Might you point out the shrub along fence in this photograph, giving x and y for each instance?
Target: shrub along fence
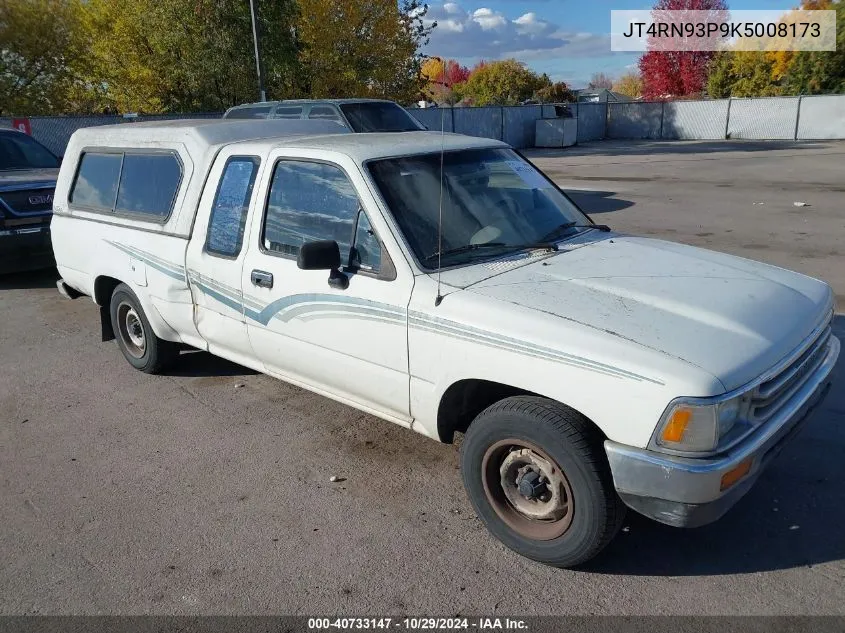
(796, 118)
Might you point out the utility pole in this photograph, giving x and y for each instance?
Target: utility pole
(261, 91)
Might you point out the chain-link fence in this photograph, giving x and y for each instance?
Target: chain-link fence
(798, 118)
(763, 118)
(821, 117)
(771, 118)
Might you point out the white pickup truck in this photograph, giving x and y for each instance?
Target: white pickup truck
(443, 283)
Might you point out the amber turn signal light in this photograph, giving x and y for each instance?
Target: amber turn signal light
(677, 425)
(736, 473)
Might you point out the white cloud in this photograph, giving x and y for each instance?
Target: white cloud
(489, 20)
(486, 33)
(530, 24)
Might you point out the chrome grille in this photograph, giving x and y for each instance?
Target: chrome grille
(772, 394)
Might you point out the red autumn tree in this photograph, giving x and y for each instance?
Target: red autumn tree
(455, 73)
(442, 76)
(668, 74)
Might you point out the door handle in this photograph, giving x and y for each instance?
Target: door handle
(262, 278)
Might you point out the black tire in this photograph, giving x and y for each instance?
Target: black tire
(126, 313)
(593, 513)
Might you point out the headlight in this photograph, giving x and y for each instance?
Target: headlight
(696, 427)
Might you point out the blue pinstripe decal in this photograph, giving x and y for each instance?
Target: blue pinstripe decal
(171, 270)
(320, 301)
(215, 294)
(316, 305)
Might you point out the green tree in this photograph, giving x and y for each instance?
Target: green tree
(556, 93)
(182, 55)
(721, 77)
(37, 44)
(742, 74)
(765, 73)
(814, 72)
(630, 84)
(506, 82)
(361, 48)
(752, 72)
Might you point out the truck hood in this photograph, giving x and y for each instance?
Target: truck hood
(729, 316)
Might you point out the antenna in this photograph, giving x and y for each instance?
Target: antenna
(439, 297)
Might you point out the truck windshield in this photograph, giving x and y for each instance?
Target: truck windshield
(18, 151)
(494, 202)
(379, 117)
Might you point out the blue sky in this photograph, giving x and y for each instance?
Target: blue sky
(568, 40)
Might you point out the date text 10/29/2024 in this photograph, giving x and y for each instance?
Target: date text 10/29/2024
(417, 624)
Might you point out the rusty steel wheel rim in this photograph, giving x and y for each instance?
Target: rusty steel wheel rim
(131, 330)
(527, 489)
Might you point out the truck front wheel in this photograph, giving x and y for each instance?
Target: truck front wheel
(135, 338)
(536, 473)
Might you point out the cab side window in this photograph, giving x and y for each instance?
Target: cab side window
(311, 201)
(231, 205)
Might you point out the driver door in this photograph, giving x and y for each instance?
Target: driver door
(351, 344)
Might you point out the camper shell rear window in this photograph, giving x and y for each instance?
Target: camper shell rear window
(140, 184)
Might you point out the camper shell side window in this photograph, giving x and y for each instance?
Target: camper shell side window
(140, 184)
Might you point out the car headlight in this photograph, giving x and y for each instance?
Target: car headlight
(696, 426)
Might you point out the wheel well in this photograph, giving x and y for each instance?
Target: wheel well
(103, 289)
(465, 399)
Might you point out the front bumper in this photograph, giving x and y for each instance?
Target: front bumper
(687, 492)
(25, 248)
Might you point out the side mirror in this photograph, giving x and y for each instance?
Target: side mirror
(323, 255)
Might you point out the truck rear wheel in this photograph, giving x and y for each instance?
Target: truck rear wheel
(536, 473)
(135, 338)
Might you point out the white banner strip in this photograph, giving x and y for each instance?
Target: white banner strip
(764, 30)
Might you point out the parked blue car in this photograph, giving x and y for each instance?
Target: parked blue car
(28, 173)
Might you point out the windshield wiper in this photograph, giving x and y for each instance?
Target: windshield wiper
(466, 248)
(561, 230)
(531, 246)
(551, 246)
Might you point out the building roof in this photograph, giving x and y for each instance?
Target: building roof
(602, 94)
